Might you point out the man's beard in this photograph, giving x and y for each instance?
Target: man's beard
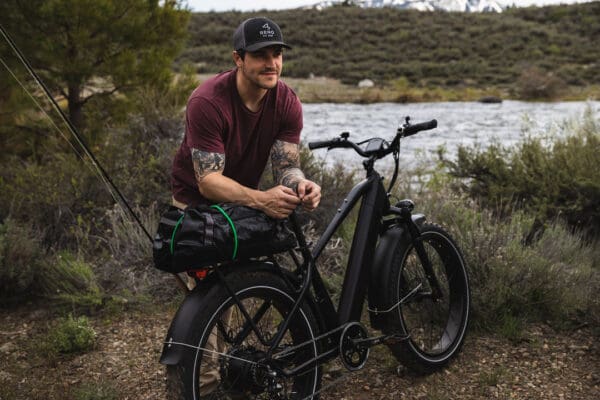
(257, 81)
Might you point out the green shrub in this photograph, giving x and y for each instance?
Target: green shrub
(126, 267)
(55, 195)
(21, 257)
(28, 272)
(553, 278)
(549, 179)
(125, 240)
(70, 281)
(69, 336)
(535, 84)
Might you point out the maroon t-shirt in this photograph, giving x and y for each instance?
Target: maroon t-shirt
(217, 121)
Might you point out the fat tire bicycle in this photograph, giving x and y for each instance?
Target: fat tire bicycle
(253, 329)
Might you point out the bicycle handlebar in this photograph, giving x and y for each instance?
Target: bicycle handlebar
(377, 148)
(403, 131)
(408, 130)
(320, 144)
(336, 144)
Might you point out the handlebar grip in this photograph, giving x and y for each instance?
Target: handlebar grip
(319, 144)
(423, 126)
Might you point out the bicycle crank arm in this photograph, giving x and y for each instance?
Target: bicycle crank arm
(309, 364)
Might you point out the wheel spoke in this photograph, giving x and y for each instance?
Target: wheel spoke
(246, 329)
(240, 370)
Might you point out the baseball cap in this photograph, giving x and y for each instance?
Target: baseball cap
(255, 33)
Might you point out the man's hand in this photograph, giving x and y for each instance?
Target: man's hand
(279, 202)
(309, 194)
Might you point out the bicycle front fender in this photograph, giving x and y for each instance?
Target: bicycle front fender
(382, 266)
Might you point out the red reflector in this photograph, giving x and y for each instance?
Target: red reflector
(199, 273)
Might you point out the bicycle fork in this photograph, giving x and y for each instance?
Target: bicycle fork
(406, 207)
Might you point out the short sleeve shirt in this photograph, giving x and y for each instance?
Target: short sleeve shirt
(217, 121)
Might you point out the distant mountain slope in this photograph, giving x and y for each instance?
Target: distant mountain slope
(433, 48)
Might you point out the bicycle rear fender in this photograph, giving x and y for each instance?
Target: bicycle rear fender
(182, 327)
(382, 265)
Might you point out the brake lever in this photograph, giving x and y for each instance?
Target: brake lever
(406, 124)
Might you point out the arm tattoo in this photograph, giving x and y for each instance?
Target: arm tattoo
(285, 158)
(206, 162)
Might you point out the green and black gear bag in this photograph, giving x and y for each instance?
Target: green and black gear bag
(204, 235)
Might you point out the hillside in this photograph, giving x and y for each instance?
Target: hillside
(556, 44)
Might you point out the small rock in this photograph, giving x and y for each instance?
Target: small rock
(7, 348)
(490, 100)
(366, 83)
(5, 376)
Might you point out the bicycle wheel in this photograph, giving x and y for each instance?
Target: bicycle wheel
(227, 360)
(435, 327)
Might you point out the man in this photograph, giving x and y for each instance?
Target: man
(235, 122)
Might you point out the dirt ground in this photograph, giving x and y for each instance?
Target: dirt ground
(545, 365)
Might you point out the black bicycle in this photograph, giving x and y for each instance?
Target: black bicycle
(257, 330)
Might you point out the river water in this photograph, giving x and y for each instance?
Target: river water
(459, 123)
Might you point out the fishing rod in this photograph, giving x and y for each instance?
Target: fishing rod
(112, 188)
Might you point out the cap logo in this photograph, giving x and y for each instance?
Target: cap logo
(267, 31)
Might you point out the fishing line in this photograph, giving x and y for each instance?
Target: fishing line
(75, 149)
(60, 131)
(104, 177)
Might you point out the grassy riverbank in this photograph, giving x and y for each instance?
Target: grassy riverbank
(330, 90)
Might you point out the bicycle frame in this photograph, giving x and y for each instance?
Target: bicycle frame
(373, 208)
(374, 203)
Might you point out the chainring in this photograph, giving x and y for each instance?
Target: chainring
(353, 355)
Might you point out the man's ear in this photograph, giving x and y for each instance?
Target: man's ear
(237, 59)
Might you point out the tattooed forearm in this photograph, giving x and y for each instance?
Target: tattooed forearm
(206, 162)
(285, 158)
(291, 177)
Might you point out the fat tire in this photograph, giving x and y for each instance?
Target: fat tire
(409, 352)
(180, 379)
(174, 380)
